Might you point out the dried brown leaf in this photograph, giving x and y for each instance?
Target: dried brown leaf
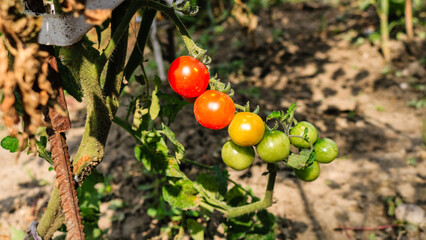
(23, 70)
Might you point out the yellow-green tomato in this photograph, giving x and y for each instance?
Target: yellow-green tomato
(309, 173)
(237, 157)
(246, 129)
(299, 130)
(274, 146)
(326, 150)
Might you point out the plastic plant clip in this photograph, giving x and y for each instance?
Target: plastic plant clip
(64, 29)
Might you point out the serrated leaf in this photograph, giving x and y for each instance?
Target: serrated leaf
(10, 143)
(195, 229)
(274, 115)
(171, 104)
(236, 197)
(298, 161)
(181, 194)
(154, 108)
(42, 151)
(209, 185)
(269, 236)
(153, 161)
(222, 179)
(179, 148)
(153, 153)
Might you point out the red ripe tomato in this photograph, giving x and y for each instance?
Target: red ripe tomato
(188, 77)
(214, 109)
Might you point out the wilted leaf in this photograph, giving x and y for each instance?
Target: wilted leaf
(154, 108)
(42, 151)
(173, 169)
(181, 194)
(196, 230)
(179, 148)
(300, 160)
(236, 197)
(210, 185)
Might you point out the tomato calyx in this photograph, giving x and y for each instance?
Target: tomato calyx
(216, 84)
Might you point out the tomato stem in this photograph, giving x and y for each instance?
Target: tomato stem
(264, 203)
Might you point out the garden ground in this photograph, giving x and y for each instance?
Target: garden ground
(318, 56)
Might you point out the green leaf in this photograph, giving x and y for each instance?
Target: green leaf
(179, 148)
(209, 184)
(16, 234)
(274, 115)
(10, 143)
(299, 161)
(153, 160)
(153, 153)
(222, 179)
(173, 169)
(42, 151)
(171, 104)
(181, 194)
(269, 236)
(364, 5)
(236, 197)
(154, 108)
(195, 229)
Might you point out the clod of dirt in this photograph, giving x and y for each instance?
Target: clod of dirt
(412, 214)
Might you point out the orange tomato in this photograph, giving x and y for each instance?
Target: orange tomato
(246, 129)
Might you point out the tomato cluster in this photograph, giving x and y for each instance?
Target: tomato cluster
(215, 110)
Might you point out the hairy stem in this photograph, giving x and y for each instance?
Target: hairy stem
(264, 203)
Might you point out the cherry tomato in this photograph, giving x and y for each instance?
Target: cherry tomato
(299, 130)
(308, 174)
(326, 150)
(246, 129)
(237, 157)
(214, 109)
(274, 146)
(188, 77)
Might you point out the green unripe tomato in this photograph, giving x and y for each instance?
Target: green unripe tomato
(274, 146)
(326, 150)
(299, 130)
(309, 173)
(237, 157)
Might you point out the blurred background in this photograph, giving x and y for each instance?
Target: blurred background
(356, 68)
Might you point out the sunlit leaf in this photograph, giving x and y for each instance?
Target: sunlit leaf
(181, 194)
(195, 229)
(154, 108)
(10, 143)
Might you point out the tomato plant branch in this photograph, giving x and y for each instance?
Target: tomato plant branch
(264, 203)
(136, 57)
(53, 217)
